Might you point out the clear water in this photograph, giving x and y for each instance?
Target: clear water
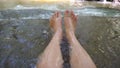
(98, 12)
(87, 11)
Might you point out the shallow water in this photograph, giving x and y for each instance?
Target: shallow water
(46, 14)
(84, 11)
(25, 33)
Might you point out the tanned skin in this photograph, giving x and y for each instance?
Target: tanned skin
(52, 58)
(79, 57)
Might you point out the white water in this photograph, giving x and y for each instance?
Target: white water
(82, 12)
(45, 6)
(104, 1)
(116, 1)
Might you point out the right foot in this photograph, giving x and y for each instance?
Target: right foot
(70, 20)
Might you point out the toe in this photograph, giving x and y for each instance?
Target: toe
(58, 14)
(51, 20)
(72, 15)
(66, 13)
(76, 17)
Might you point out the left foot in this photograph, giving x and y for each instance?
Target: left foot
(56, 22)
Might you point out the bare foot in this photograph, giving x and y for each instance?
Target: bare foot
(70, 20)
(56, 22)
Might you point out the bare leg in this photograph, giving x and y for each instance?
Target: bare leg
(51, 57)
(79, 57)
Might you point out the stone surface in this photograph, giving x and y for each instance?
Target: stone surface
(100, 37)
(22, 40)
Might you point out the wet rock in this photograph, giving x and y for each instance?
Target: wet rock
(23, 39)
(98, 40)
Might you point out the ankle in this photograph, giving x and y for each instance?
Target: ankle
(58, 30)
(70, 35)
(58, 33)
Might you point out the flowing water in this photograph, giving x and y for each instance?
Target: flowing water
(25, 32)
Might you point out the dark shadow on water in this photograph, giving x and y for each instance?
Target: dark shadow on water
(65, 52)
